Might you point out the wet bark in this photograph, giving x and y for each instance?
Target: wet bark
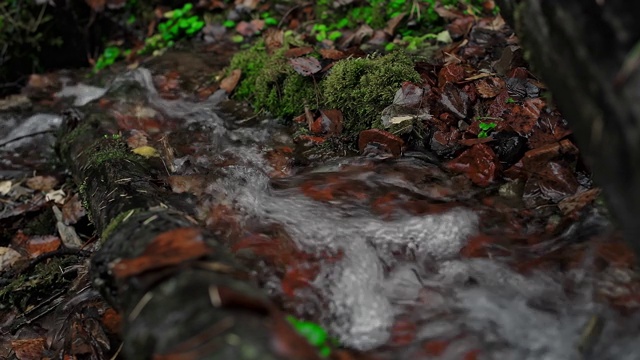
(588, 52)
(181, 293)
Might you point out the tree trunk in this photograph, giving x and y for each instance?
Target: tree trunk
(588, 52)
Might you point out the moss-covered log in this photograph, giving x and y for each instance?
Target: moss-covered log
(588, 52)
(181, 293)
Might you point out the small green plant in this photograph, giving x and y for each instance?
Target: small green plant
(484, 129)
(179, 23)
(110, 55)
(510, 101)
(314, 333)
(269, 20)
(323, 32)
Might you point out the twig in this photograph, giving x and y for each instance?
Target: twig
(26, 136)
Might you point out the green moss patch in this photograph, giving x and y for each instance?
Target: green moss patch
(363, 87)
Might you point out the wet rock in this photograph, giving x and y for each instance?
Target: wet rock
(509, 147)
(390, 141)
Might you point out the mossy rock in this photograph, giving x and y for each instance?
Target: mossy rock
(271, 83)
(363, 87)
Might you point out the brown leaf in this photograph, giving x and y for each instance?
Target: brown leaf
(29, 349)
(522, 118)
(38, 245)
(392, 142)
(332, 54)
(42, 183)
(253, 27)
(490, 87)
(298, 52)
(408, 95)
(273, 39)
(480, 164)
(305, 66)
(187, 183)
(72, 210)
(450, 74)
(167, 249)
(230, 82)
(393, 23)
(96, 5)
(332, 120)
(551, 183)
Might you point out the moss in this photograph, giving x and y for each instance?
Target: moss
(270, 82)
(363, 87)
(282, 91)
(43, 224)
(251, 62)
(111, 149)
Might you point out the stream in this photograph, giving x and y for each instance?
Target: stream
(369, 246)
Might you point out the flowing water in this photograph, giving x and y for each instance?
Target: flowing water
(387, 281)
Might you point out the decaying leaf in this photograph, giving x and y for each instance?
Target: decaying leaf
(305, 66)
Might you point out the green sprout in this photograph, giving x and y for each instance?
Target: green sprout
(108, 57)
(269, 20)
(484, 128)
(179, 23)
(314, 333)
(510, 101)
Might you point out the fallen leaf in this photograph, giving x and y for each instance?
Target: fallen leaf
(408, 95)
(479, 163)
(298, 52)
(332, 54)
(305, 66)
(29, 349)
(146, 151)
(72, 210)
(230, 82)
(490, 87)
(37, 245)
(56, 196)
(42, 183)
(390, 141)
(5, 187)
(8, 257)
(167, 249)
(393, 23)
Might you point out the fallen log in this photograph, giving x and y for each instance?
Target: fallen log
(181, 293)
(588, 53)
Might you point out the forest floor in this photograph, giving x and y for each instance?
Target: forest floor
(462, 225)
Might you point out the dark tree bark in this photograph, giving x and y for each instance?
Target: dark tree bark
(588, 52)
(181, 293)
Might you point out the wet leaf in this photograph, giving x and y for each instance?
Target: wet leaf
(392, 142)
(490, 87)
(455, 101)
(479, 163)
(305, 66)
(452, 73)
(167, 249)
(37, 245)
(408, 95)
(42, 183)
(552, 182)
(332, 120)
